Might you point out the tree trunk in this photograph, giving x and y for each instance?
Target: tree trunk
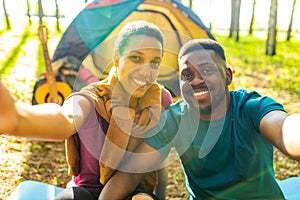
(252, 18)
(57, 16)
(8, 27)
(28, 12)
(232, 22)
(272, 32)
(41, 12)
(210, 10)
(289, 31)
(191, 4)
(235, 19)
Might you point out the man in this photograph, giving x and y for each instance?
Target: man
(224, 138)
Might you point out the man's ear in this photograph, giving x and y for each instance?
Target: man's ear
(228, 76)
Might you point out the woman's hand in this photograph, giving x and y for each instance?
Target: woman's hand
(119, 97)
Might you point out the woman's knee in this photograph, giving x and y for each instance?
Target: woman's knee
(142, 196)
(75, 193)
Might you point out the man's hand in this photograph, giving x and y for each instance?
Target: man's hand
(291, 135)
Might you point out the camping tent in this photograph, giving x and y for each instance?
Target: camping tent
(90, 37)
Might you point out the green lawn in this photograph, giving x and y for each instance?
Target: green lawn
(277, 76)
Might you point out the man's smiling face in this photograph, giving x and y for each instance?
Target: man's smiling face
(204, 75)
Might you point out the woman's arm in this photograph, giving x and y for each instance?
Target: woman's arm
(283, 131)
(47, 121)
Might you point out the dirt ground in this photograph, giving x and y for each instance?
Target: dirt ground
(24, 159)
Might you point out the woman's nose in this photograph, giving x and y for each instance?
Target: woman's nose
(144, 70)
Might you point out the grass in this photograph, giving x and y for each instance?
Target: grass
(12, 58)
(247, 58)
(40, 62)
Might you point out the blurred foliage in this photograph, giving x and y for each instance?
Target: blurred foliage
(12, 58)
(247, 58)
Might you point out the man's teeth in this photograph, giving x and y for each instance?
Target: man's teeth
(139, 82)
(200, 93)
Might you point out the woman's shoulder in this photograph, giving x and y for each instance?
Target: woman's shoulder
(166, 98)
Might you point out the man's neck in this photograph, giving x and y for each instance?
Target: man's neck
(219, 111)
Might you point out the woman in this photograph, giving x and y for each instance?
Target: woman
(106, 119)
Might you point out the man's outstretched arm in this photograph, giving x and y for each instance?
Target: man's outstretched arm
(282, 130)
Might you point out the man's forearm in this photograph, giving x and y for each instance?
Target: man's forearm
(125, 184)
(160, 188)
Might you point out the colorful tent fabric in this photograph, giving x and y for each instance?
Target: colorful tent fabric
(90, 37)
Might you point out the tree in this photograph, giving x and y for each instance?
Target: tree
(272, 32)
(28, 12)
(289, 31)
(8, 27)
(231, 30)
(191, 4)
(57, 16)
(235, 19)
(210, 8)
(41, 12)
(252, 18)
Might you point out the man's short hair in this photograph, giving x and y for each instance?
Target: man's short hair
(200, 44)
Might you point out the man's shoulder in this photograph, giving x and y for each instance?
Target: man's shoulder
(244, 95)
(179, 105)
(176, 110)
(249, 98)
(243, 92)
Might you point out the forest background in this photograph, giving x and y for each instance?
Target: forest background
(276, 75)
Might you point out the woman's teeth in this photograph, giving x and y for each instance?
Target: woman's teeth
(139, 82)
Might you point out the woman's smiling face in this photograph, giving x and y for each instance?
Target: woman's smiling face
(138, 66)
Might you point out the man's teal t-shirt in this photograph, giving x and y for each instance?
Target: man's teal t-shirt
(224, 159)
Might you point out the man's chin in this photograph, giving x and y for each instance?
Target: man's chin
(200, 108)
(193, 103)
